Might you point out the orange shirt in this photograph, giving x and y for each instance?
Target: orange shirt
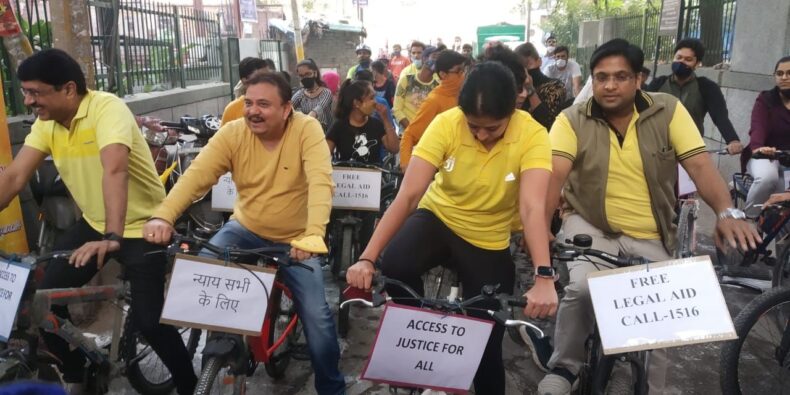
(397, 64)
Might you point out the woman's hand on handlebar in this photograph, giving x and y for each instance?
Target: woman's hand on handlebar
(777, 198)
(542, 299)
(158, 231)
(360, 275)
(767, 151)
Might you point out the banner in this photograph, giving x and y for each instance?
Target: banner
(12, 228)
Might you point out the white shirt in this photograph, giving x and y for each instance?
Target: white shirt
(567, 75)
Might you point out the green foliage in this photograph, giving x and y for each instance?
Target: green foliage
(566, 15)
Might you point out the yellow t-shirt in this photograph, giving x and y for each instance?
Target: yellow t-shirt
(102, 119)
(283, 194)
(475, 191)
(233, 111)
(628, 206)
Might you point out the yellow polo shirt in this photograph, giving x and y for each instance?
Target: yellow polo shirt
(475, 191)
(233, 111)
(102, 119)
(627, 204)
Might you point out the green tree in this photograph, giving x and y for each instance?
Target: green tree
(565, 16)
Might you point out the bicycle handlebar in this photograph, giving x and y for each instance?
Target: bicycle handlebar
(65, 254)
(581, 246)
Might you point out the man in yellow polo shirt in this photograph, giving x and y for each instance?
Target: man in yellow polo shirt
(247, 67)
(616, 156)
(281, 165)
(105, 162)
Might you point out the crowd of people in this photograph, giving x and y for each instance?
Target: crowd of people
(489, 145)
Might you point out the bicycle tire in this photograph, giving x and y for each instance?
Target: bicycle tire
(278, 319)
(343, 318)
(346, 250)
(437, 282)
(745, 322)
(208, 375)
(686, 220)
(781, 273)
(620, 380)
(138, 377)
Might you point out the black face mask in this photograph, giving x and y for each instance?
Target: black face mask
(681, 70)
(785, 93)
(364, 65)
(308, 83)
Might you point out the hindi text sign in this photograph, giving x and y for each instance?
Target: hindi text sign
(422, 348)
(356, 189)
(205, 293)
(659, 305)
(223, 194)
(13, 277)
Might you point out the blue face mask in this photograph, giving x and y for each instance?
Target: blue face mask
(417, 63)
(430, 63)
(681, 70)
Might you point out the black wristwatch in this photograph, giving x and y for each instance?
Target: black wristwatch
(545, 272)
(112, 237)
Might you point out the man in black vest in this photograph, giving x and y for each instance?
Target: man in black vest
(699, 95)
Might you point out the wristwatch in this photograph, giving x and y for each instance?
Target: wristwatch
(545, 272)
(112, 237)
(733, 213)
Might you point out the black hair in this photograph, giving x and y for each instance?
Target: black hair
(645, 71)
(379, 67)
(782, 60)
(417, 44)
(441, 47)
(448, 59)
(527, 50)
(250, 65)
(276, 79)
(270, 64)
(310, 64)
(350, 91)
(53, 67)
(619, 47)
(467, 46)
(489, 90)
(504, 55)
(562, 48)
(695, 45)
(364, 75)
(285, 76)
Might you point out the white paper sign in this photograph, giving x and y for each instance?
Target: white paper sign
(660, 305)
(421, 348)
(685, 184)
(204, 293)
(357, 189)
(13, 277)
(223, 194)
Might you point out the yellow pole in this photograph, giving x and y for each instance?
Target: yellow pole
(297, 31)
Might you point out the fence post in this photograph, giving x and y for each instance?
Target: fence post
(643, 40)
(179, 51)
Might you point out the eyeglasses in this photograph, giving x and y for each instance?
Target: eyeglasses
(781, 73)
(33, 93)
(619, 78)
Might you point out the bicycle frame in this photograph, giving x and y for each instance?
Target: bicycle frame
(262, 351)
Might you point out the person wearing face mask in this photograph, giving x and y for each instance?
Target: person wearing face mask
(363, 56)
(545, 96)
(698, 94)
(548, 58)
(567, 71)
(398, 62)
(414, 85)
(382, 82)
(450, 66)
(314, 99)
(770, 131)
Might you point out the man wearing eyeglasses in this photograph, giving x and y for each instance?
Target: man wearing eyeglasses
(698, 94)
(615, 157)
(105, 162)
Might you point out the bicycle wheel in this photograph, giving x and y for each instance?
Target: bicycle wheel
(686, 237)
(145, 371)
(437, 282)
(215, 379)
(347, 250)
(781, 274)
(755, 361)
(281, 312)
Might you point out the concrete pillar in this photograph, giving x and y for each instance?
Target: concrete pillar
(71, 32)
(756, 50)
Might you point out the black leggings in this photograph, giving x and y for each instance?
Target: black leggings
(424, 242)
(146, 276)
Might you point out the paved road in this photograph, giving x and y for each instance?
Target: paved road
(693, 370)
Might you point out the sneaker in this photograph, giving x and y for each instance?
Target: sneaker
(558, 382)
(539, 347)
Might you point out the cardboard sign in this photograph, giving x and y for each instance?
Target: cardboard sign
(223, 194)
(13, 277)
(659, 305)
(205, 293)
(356, 189)
(426, 349)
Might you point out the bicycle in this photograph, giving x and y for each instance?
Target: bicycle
(128, 354)
(759, 359)
(446, 305)
(229, 358)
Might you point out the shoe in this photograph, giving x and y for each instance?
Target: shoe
(558, 382)
(539, 347)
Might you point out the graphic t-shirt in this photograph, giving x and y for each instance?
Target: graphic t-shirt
(361, 144)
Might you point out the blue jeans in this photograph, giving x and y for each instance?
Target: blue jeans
(307, 288)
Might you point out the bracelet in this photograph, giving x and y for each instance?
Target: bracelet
(366, 260)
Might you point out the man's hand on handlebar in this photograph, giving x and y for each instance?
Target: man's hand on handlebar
(542, 299)
(360, 275)
(300, 255)
(158, 231)
(777, 198)
(734, 147)
(736, 233)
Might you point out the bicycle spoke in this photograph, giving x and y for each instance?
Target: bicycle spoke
(757, 366)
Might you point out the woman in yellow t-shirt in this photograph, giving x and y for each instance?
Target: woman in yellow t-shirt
(473, 167)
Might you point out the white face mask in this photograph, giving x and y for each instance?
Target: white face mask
(550, 50)
(561, 63)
